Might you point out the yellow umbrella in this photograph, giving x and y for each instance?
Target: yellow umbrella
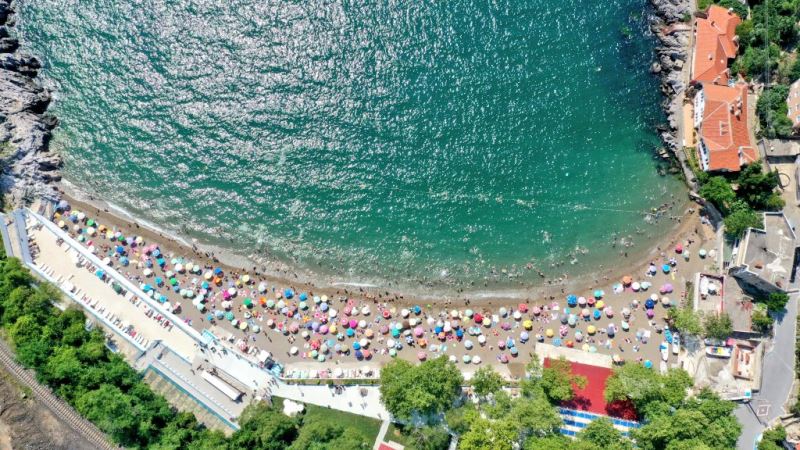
(61, 224)
(585, 347)
(245, 279)
(549, 333)
(591, 329)
(332, 329)
(600, 304)
(527, 324)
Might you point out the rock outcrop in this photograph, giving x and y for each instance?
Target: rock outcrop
(672, 54)
(28, 167)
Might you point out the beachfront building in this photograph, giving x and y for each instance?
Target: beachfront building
(720, 117)
(764, 259)
(715, 44)
(793, 102)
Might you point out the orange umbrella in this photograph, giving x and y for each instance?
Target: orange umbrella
(627, 279)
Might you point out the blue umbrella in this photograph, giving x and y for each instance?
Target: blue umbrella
(649, 304)
(350, 332)
(597, 314)
(417, 309)
(323, 307)
(557, 342)
(100, 274)
(288, 293)
(217, 271)
(665, 268)
(162, 298)
(460, 333)
(572, 300)
(648, 364)
(161, 262)
(356, 346)
(120, 249)
(147, 288)
(148, 263)
(159, 281)
(210, 317)
(438, 330)
(156, 253)
(303, 297)
(124, 261)
(396, 332)
(359, 355)
(514, 350)
(598, 294)
(219, 314)
(204, 285)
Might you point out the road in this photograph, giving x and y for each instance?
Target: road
(777, 382)
(59, 408)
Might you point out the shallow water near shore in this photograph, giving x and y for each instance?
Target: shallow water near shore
(437, 143)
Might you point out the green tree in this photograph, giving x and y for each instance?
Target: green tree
(601, 432)
(718, 191)
(757, 187)
(534, 417)
(557, 381)
(643, 386)
(111, 410)
(773, 439)
(718, 326)
(772, 111)
(264, 428)
(761, 321)
(486, 381)
(740, 219)
(775, 301)
(426, 390)
(430, 438)
(685, 320)
(319, 435)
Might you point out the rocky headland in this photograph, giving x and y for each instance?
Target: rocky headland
(29, 169)
(670, 25)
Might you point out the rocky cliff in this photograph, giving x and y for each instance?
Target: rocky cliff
(672, 56)
(28, 167)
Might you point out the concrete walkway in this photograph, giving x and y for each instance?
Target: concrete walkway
(381, 434)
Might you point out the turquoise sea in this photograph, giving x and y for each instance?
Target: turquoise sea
(370, 141)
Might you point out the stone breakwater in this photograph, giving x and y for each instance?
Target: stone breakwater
(671, 65)
(29, 169)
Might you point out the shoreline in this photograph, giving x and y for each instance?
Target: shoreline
(667, 13)
(686, 228)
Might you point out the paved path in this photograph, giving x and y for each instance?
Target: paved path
(381, 434)
(776, 385)
(59, 408)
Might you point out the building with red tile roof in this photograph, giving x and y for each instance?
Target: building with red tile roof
(715, 44)
(720, 113)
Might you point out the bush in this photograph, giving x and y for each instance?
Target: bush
(775, 302)
(718, 326)
(741, 219)
(761, 321)
(719, 192)
(772, 112)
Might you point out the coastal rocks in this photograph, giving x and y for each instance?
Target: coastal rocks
(29, 167)
(669, 25)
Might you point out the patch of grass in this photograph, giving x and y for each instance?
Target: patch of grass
(366, 426)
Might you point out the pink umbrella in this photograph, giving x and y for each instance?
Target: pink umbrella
(501, 344)
(348, 310)
(323, 329)
(384, 329)
(418, 331)
(352, 323)
(386, 314)
(537, 310)
(563, 330)
(585, 312)
(504, 358)
(294, 327)
(590, 301)
(505, 326)
(609, 311)
(421, 356)
(650, 313)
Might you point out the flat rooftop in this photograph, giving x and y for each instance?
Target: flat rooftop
(769, 253)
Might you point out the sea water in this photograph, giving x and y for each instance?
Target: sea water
(450, 143)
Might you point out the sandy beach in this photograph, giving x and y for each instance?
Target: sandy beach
(293, 320)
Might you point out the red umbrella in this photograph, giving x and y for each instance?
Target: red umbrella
(523, 308)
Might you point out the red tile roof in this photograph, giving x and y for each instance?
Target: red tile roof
(724, 130)
(714, 45)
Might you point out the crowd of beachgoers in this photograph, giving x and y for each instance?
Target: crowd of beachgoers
(308, 329)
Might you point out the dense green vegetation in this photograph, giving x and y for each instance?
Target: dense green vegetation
(672, 419)
(739, 198)
(76, 364)
(773, 439)
(496, 421)
(718, 326)
(767, 52)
